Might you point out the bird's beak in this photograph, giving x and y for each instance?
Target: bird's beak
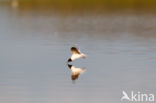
(84, 56)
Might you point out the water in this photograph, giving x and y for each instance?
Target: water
(35, 45)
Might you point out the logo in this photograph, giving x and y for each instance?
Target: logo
(137, 97)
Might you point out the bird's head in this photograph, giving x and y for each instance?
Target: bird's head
(69, 66)
(69, 60)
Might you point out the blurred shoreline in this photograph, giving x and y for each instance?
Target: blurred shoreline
(88, 4)
(93, 7)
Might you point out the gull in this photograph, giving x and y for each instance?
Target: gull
(76, 54)
(76, 71)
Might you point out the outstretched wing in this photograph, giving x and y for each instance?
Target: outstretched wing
(77, 73)
(75, 76)
(75, 50)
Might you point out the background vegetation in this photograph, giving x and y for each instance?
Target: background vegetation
(91, 5)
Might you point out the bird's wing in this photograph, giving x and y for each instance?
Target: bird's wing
(75, 50)
(77, 73)
(75, 76)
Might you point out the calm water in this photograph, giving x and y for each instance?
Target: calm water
(35, 45)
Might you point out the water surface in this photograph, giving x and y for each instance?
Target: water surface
(35, 45)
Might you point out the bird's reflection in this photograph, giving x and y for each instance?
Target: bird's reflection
(76, 72)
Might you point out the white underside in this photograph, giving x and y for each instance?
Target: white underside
(76, 56)
(77, 70)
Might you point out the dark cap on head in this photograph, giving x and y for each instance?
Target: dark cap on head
(69, 66)
(69, 60)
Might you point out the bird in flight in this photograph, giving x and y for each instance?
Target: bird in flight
(76, 54)
(76, 71)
